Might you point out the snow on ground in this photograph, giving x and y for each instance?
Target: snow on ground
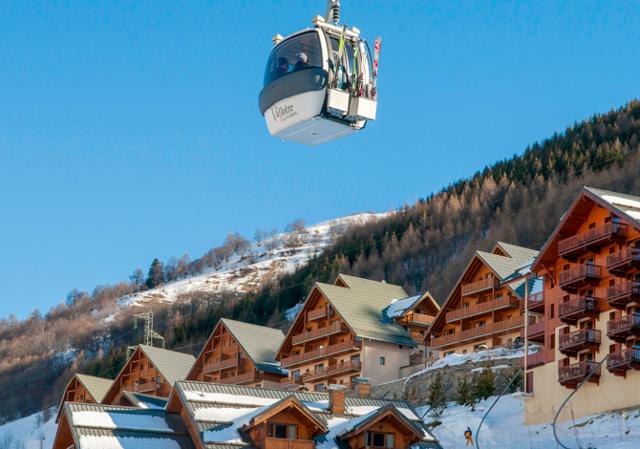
(504, 428)
(28, 433)
(262, 262)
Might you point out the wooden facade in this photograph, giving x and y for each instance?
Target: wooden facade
(419, 317)
(84, 389)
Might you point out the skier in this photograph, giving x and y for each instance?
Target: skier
(468, 437)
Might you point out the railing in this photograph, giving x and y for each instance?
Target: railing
(316, 314)
(625, 256)
(580, 272)
(419, 318)
(290, 381)
(581, 305)
(332, 370)
(578, 371)
(333, 328)
(285, 443)
(623, 359)
(477, 286)
(579, 338)
(623, 293)
(623, 324)
(591, 237)
(535, 359)
(321, 352)
(500, 303)
(244, 377)
(535, 328)
(477, 332)
(147, 386)
(220, 365)
(536, 300)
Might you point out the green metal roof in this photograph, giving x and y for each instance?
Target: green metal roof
(172, 365)
(96, 386)
(519, 253)
(362, 303)
(260, 343)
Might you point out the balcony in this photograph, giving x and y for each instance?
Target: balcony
(334, 328)
(536, 359)
(623, 261)
(571, 375)
(580, 276)
(320, 353)
(535, 302)
(590, 240)
(292, 381)
(220, 365)
(619, 296)
(249, 376)
(332, 370)
(417, 319)
(147, 387)
(620, 362)
(316, 314)
(571, 311)
(622, 328)
(471, 288)
(574, 342)
(285, 443)
(477, 332)
(505, 302)
(535, 332)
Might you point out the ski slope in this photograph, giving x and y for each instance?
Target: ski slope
(28, 433)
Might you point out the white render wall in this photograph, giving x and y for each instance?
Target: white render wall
(395, 358)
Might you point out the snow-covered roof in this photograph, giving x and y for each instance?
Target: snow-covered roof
(398, 307)
(220, 412)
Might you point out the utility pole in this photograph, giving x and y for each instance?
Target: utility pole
(149, 334)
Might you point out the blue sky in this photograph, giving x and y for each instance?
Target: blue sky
(131, 131)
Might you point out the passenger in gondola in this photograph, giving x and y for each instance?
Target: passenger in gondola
(302, 63)
(283, 66)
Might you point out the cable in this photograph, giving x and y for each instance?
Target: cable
(504, 391)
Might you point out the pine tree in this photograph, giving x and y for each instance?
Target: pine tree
(483, 384)
(155, 276)
(463, 393)
(435, 395)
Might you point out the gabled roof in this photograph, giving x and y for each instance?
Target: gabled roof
(502, 266)
(400, 307)
(388, 410)
(140, 400)
(260, 343)
(172, 365)
(361, 305)
(519, 253)
(104, 426)
(283, 404)
(96, 386)
(627, 206)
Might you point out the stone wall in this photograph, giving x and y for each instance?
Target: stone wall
(415, 388)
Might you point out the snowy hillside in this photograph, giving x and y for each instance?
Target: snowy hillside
(258, 264)
(30, 432)
(504, 428)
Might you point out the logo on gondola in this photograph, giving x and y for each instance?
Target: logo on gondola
(283, 113)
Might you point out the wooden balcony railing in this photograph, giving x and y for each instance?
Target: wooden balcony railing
(624, 260)
(249, 376)
(622, 294)
(316, 314)
(220, 365)
(478, 332)
(476, 309)
(536, 359)
(579, 276)
(319, 353)
(576, 341)
(285, 443)
(332, 370)
(334, 328)
(622, 328)
(420, 319)
(147, 387)
(535, 330)
(571, 311)
(291, 381)
(591, 239)
(535, 302)
(620, 362)
(477, 286)
(571, 375)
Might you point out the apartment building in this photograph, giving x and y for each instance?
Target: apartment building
(240, 353)
(483, 310)
(342, 333)
(591, 270)
(149, 371)
(85, 389)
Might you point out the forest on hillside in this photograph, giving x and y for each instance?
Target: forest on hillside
(424, 246)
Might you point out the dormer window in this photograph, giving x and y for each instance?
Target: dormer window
(283, 431)
(379, 439)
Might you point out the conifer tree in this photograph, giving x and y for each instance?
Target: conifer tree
(463, 393)
(483, 384)
(435, 397)
(155, 276)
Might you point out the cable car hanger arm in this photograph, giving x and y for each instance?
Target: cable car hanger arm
(333, 11)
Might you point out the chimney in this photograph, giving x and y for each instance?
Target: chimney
(362, 387)
(336, 399)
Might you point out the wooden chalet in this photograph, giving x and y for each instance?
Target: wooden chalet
(240, 353)
(342, 333)
(83, 388)
(149, 371)
(415, 313)
(481, 310)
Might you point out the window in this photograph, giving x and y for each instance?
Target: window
(379, 439)
(283, 431)
(318, 387)
(284, 57)
(552, 310)
(382, 361)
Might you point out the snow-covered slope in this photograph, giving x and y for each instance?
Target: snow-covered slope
(504, 428)
(257, 265)
(30, 432)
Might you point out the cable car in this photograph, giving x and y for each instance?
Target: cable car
(320, 83)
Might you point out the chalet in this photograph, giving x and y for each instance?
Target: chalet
(591, 270)
(236, 417)
(83, 388)
(91, 426)
(240, 353)
(482, 311)
(342, 332)
(149, 371)
(415, 313)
